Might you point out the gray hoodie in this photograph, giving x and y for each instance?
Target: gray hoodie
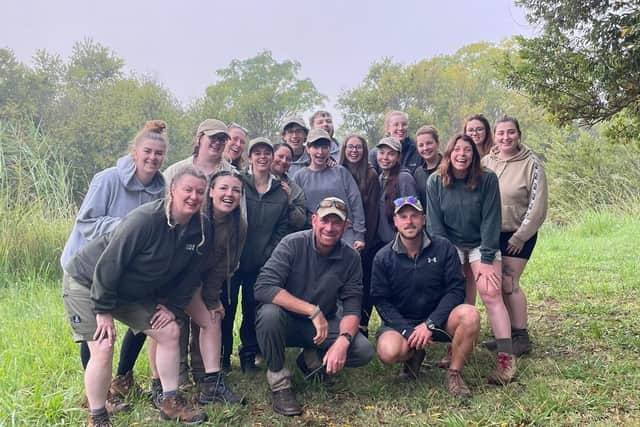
(113, 193)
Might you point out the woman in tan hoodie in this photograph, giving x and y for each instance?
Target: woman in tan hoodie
(523, 191)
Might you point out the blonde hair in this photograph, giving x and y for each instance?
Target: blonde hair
(387, 118)
(179, 173)
(155, 130)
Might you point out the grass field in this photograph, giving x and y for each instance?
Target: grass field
(583, 285)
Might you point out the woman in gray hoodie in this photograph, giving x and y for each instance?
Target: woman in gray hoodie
(112, 194)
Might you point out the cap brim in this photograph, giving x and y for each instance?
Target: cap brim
(324, 141)
(322, 212)
(212, 132)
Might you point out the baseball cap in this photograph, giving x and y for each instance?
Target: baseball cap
(412, 201)
(260, 141)
(212, 127)
(293, 120)
(390, 142)
(332, 205)
(316, 135)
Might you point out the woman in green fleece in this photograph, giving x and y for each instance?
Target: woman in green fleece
(523, 191)
(143, 274)
(463, 203)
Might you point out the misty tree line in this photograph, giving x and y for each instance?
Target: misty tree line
(577, 82)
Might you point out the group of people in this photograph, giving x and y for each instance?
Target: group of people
(313, 234)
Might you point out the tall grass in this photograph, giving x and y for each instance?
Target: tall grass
(36, 203)
(586, 173)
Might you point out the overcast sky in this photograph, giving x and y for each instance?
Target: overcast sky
(183, 43)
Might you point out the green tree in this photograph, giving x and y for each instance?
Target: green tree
(258, 93)
(585, 64)
(441, 91)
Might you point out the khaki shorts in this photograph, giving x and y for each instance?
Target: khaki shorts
(78, 306)
(473, 255)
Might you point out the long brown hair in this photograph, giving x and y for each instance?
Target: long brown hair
(360, 170)
(487, 143)
(445, 170)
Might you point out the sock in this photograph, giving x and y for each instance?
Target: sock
(504, 345)
(170, 393)
(99, 411)
(519, 332)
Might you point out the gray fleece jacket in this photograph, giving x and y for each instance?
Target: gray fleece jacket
(113, 193)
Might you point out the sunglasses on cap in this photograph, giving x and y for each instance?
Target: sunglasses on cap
(332, 204)
(409, 200)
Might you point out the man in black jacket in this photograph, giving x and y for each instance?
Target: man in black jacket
(418, 289)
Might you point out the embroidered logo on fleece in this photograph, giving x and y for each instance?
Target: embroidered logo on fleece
(75, 319)
(190, 247)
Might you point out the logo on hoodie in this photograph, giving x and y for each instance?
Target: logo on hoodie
(190, 247)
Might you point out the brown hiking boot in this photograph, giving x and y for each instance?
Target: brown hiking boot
(456, 386)
(123, 385)
(115, 404)
(284, 402)
(505, 370)
(176, 408)
(101, 420)
(411, 367)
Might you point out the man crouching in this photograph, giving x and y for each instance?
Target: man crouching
(418, 289)
(299, 288)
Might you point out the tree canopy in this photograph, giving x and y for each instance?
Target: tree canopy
(258, 93)
(585, 64)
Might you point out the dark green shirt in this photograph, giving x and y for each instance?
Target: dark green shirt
(298, 267)
(143, 258)
(467, 218)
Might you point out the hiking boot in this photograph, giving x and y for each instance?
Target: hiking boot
(284, 402)
(156, 392)
(521, 344)
(123, 385)
(100, 420)
(411, 367)
(446, 360)
(175, 408)
(505, 370)
(115, 404)
(456, 386)
(213, 389)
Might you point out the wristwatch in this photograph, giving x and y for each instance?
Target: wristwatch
(348, 336)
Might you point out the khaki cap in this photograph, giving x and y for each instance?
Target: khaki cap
(332, 205)
(260, 141)
(317, 135)
(294, 120)
(212, 127)
(390, 142)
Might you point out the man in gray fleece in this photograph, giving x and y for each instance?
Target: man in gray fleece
(298, 291)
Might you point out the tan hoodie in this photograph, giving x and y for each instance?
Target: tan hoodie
(523, 191)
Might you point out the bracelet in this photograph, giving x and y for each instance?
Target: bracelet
(315, 313)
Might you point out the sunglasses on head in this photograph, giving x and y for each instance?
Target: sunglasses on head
(412, 200)
(232, 173)
(332, 204)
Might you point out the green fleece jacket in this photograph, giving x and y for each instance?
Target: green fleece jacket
(467, 218)
(142, 259)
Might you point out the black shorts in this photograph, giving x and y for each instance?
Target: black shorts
(526, 251)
